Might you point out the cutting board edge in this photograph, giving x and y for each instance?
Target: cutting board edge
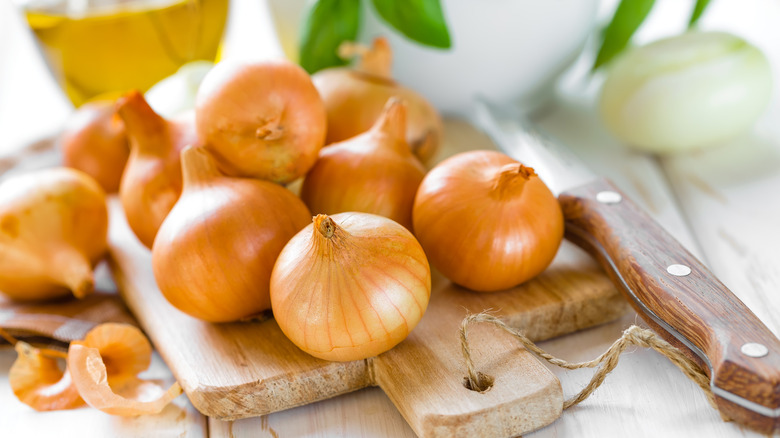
(436, 425)
(199, 397)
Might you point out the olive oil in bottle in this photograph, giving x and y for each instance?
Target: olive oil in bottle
(97, 47)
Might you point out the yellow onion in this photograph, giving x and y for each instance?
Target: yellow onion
(354, 99)
(374, 172)
(214, 253)
(486, 221)
(53, 226)
(94, 141)
(261, 120)
(151, 183)
(350, 286)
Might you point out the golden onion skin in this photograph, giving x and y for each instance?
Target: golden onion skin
(354, 294)
(487, 222)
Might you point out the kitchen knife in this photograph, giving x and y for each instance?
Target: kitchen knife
(673, 291)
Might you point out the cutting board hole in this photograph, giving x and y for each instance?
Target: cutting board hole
(483, 382)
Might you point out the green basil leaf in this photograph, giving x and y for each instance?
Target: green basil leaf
(628, 17)
(419, 20)
(698, 10)
(328, 24)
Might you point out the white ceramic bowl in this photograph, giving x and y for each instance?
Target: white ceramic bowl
(501, 49)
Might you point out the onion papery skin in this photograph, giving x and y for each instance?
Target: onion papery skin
(135, 397)
(215, 252)
(37, 380)
(374, 172)
(355, 98)
(261, 120)
(94, 141)
(152, 180)
(352, 295)
(484, 231)
(123, 347)
(53, 228)
(105, 367)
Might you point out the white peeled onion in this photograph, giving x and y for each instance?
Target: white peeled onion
(686, 92)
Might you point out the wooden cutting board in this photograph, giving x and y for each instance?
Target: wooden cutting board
(238, 370)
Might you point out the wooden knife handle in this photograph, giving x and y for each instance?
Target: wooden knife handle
(692, 309)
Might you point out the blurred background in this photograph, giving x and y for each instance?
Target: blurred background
(501, 49)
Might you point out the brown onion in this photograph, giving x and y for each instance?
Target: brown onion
(374, 172)
(355, 98)
(215, 251)
(94, 142)
(53, 227)
(152, 180)
(262, 120)
(350, 286)
(486, 221)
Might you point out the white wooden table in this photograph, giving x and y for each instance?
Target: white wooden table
(722, 204)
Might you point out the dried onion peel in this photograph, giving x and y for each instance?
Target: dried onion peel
(37, 380)
(124, 349)
(102, 370)
(104, 367)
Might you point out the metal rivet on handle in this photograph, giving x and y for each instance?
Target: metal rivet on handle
(608, 197)
(754, 349)
(678, 270)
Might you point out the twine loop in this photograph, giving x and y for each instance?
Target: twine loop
(606, 362)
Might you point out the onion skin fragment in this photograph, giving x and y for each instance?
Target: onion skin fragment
(37, 381)
(125, 350)
(91, 379)
(101, 372)
(105, 366)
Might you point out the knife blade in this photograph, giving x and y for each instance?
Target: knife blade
(673, 292)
